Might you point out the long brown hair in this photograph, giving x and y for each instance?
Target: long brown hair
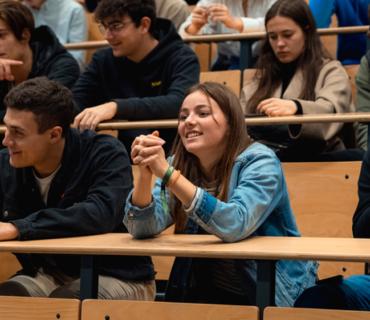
(310, 62)
(238, 140)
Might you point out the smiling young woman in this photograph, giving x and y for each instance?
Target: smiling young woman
(216, 182)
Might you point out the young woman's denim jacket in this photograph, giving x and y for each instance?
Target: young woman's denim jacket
(258, 204)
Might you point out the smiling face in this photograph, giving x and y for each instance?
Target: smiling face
(286, 38)
(26, 146)
(203, 127)
(124, 37)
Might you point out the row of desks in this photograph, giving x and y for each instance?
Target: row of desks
(265, 250)
(246, 41)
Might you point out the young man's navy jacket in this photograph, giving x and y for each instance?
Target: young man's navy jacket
(86, 197)
(151, 89)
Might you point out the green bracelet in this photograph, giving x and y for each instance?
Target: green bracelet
(165, 180)
(167, 175)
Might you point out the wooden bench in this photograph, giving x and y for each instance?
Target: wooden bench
(273, 313)
(141, 310)
(30, 308)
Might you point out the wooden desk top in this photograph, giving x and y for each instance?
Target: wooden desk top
(221, 37)
(264, 248)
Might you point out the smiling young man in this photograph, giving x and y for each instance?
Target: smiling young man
(144, 73)
(57, 182)
(27, 52)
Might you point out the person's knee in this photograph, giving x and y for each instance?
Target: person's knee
(325, 296)
(70, 290)
(13, 288)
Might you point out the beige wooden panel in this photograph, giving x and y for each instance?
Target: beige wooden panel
(27, 308)
(324, 197)
(141, 310)
(206, 53)
(230, 78)
(9, 265)
(272, 313)
(352, 70)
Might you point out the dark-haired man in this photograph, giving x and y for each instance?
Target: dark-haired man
(57, 182)
(27, 52)
(144, 73)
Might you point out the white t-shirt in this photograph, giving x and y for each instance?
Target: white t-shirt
(44, 184)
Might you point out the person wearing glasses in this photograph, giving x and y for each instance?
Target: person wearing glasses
(142, 75)
(27, 52)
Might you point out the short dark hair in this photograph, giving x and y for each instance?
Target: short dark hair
(17, 17)
(50, 102)
(135, 9)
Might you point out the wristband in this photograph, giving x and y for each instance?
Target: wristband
(165, 180)
(167, 175)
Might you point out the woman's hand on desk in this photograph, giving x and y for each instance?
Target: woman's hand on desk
(8, 231)
(275, 107)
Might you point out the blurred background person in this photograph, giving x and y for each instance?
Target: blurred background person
(227, 16)
(65, 17)
(295, 75)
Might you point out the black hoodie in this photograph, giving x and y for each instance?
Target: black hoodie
(151, 89)
(49, 59)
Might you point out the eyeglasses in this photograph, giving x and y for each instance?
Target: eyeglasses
(114, 27)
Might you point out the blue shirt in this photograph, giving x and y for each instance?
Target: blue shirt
(351, 47)
(68, 21)
(258, 204)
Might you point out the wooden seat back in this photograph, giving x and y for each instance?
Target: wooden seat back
(141, 310)
(324, 197)
(230, 78)
(9, 265)
(30, 308)
(274, 313)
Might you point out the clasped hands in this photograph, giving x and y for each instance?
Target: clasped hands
(147, 152)
(215, 13)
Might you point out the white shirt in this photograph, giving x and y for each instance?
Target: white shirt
(44, 184)
(254, 22)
